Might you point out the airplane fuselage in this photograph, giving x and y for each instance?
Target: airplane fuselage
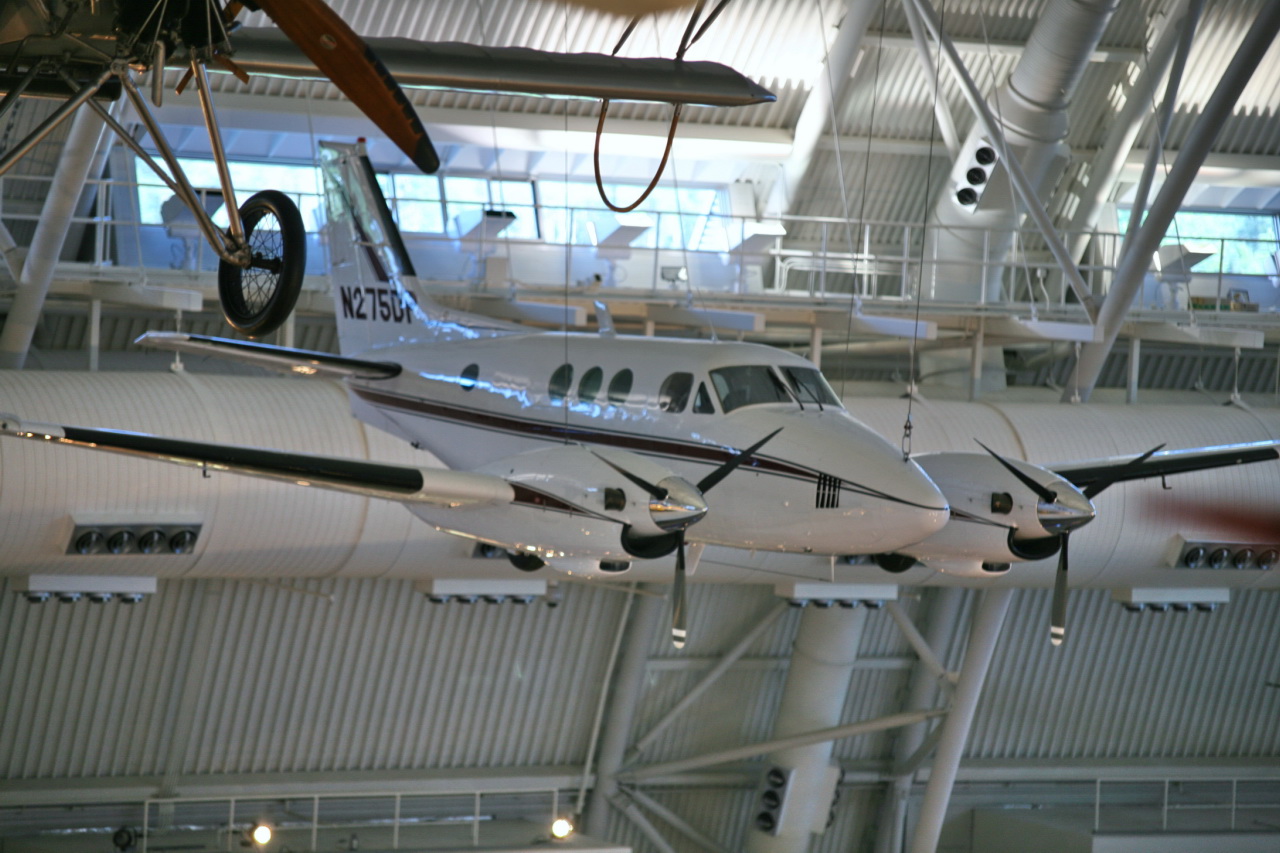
(824, 484)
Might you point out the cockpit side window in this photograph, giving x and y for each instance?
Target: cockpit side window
(810, 386)
(702, 404)
(748, 386)
(561, 380)
(673, 396)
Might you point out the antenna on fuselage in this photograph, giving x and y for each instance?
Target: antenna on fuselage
(604, 320)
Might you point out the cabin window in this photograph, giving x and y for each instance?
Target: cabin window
(673, 396)
(561, 380)
(467, 378)
(702, 404)
(810, 386)
(589, 386)
(620, 386)
(748, 386)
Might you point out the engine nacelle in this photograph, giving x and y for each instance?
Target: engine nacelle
(576, 507)
(995, 518)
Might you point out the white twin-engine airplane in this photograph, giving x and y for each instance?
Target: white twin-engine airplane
(585, 452)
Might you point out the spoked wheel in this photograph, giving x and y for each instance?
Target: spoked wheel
(256, 300)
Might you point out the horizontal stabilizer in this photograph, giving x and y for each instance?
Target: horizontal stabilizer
(283, 359)
(370, 479)
(1085, 475)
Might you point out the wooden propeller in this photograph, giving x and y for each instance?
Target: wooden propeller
(355, 69)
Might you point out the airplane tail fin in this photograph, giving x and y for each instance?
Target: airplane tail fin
(378, 300)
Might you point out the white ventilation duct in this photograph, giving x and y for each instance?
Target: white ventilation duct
(977, 212)
(255, 528)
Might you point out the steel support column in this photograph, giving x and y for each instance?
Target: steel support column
(987, 622)
(827, 91)
(1133, 266)
(943, 613)
(1107, 164)
(642, 629)
(822, 659)
(50, 234)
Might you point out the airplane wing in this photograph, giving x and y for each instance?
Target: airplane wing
(1093, 476)
(371, 479)
(283, 359)
(520, 70)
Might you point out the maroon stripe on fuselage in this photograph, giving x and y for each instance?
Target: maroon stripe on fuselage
(564, 432)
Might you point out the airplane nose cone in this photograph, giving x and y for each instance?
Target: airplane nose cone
(683, 505)
(913, 510)
(1069, 509)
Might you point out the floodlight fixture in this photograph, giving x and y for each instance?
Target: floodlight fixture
(561, 828)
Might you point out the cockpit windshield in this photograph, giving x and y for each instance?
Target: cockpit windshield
(747, 386)
(810, 386)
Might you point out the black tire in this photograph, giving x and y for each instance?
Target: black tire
(258, 299)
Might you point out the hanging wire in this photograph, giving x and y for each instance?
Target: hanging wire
(687, 41)
(497, 151)
(908, 425)
(568, 219)
(866, 164)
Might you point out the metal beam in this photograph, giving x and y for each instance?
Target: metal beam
(50, 234)
(1163, 118)
(987, 622)
(911, 744)
(642, 629)
(1106, 165)
(711, 759)
(722, 666)
(827, 91)
(1133, 266)
(928, 658)
(680, 824)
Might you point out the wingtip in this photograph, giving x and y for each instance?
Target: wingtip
(677, 638)
(1057, 634)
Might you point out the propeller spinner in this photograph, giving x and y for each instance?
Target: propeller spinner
(674, 505)
(1060, 510)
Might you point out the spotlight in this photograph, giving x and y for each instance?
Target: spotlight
(37, 597)
(1267, 559)
(100, 597)
(261, 834)
(1193, 557)
(68, 597)
(1218, 558)
(1242, 558)
(561, 828)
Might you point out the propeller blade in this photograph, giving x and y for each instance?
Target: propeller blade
(355, 69)
(655, 491)
(1043, 492)
(1058, 611)
(678, 627)
(711, 480)
(1105, 482)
